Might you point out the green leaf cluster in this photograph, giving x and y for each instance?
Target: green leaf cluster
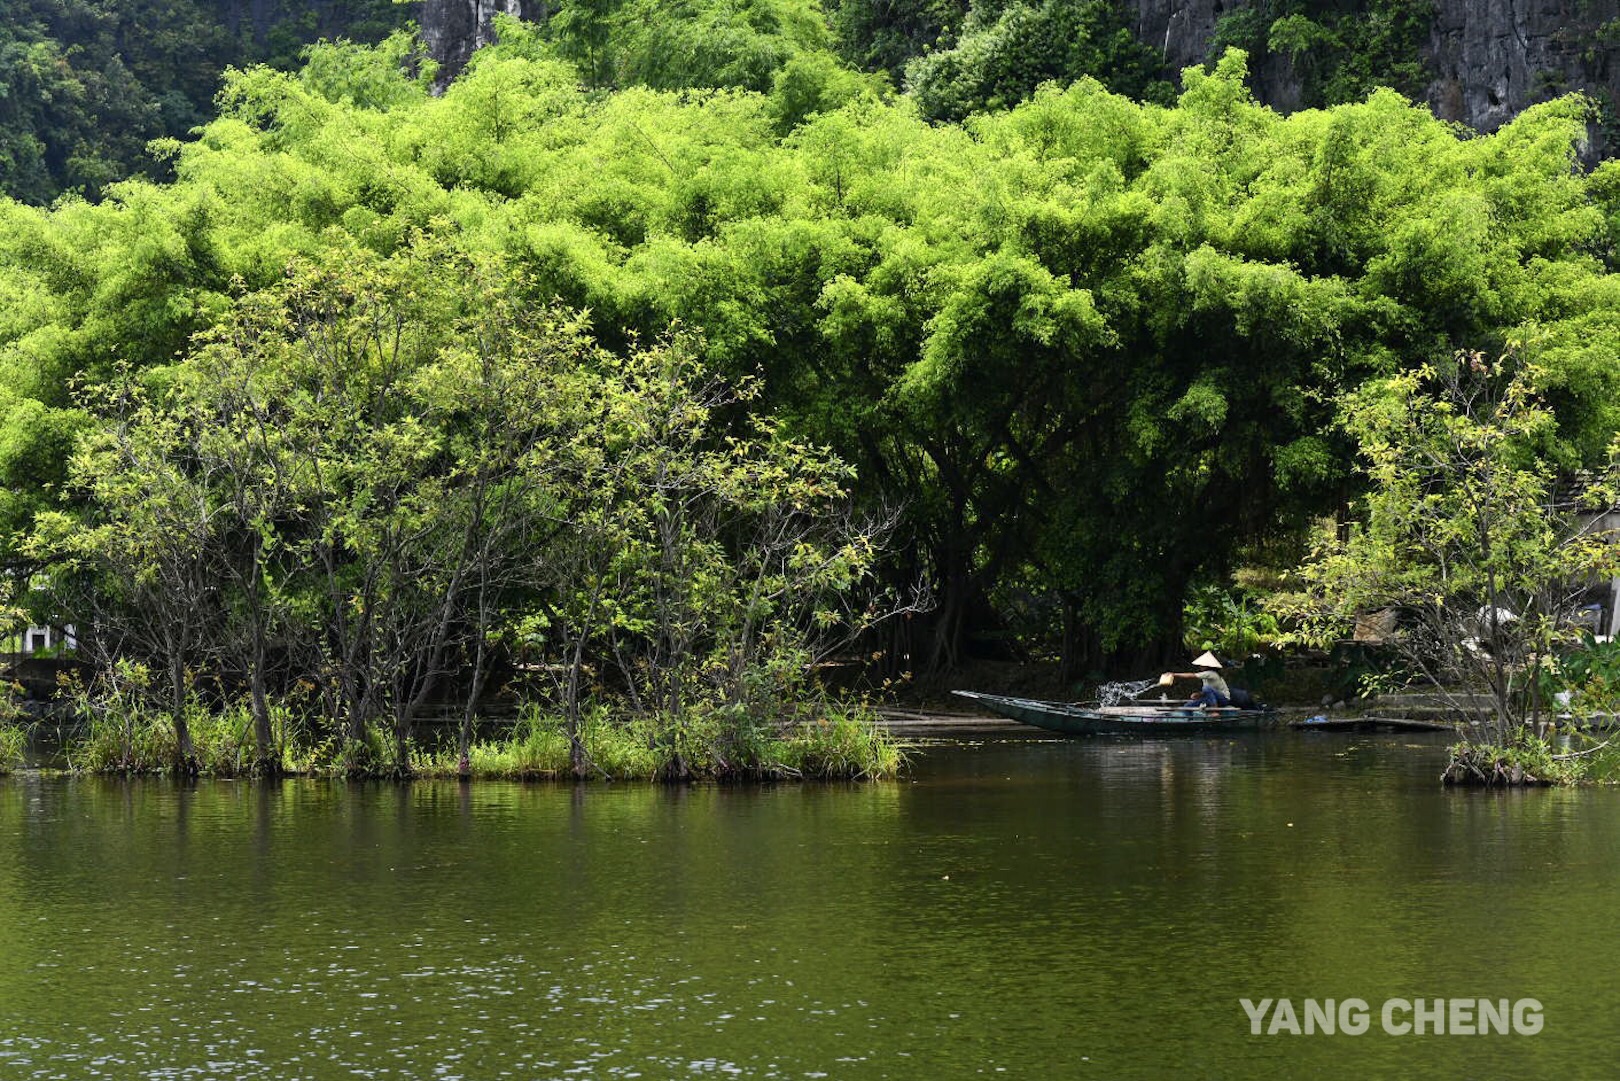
(1338, 52)
(1468, 535)
(1090, 345)
(1005, 51)
(375, 468)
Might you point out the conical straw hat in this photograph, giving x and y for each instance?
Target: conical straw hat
(1208, 660)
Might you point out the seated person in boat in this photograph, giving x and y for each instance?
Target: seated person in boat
(1214, 691)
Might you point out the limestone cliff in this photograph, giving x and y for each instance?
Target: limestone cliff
(454, 29)
(1491, 58)
(1485, 60)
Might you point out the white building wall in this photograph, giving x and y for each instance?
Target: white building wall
(35, 639)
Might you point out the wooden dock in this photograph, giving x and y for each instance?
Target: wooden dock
(945, 724)
(948, 724)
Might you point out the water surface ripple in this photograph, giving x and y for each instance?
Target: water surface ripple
(1086, 908)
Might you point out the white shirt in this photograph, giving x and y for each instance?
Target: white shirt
(1214, 682)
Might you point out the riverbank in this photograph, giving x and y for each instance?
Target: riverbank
(825, 742)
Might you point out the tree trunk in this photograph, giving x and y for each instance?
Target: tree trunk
(1068, 669)
(576, 746)
(464, 737)
(185, 757)
(402, 742)
(267, 763)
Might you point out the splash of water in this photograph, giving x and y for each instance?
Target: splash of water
(1114, 694)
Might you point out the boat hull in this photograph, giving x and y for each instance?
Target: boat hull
(1116, 720)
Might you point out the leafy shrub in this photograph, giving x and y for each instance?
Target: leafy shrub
(13, 745)
(122, 733)
(714, 744)
(1004, 53)
(1533, 760)
(13, 734)
(1228, 621)
(1590, 672)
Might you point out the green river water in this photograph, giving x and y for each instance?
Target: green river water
(1023, 908)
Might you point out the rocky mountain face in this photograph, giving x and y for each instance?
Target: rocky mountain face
(1488, 59)
(1491, 58)
(454, 29)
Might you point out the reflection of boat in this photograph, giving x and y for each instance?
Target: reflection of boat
(1149, 718)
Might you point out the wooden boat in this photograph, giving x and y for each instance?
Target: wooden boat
(1142, 718)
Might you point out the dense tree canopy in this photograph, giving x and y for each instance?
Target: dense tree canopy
(84, 87)
(1088, 343)
(381, 475)
(1005, 51)
(1470, 537)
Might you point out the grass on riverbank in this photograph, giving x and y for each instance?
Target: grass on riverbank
(837, 742)
(13, 746)
(136, 739)
(841, 743)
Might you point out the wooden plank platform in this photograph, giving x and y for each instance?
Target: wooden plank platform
(946, 724)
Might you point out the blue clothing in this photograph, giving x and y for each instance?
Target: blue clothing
(1209, 696)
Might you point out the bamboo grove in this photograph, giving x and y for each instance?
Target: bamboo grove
(660, 394)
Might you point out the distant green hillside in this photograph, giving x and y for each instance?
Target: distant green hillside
(84, 87)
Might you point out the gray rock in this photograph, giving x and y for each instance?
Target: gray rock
(1490, 59)
(454, 29)
(1494, 58)
(1180, 30)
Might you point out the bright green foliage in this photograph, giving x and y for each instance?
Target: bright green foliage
(814, 83)
(707, 568)
(146, 562)
(1589, 670)
(1466, 534)
(124, 733)
(13, 746)
(840, 744)
(668, 45)
(1089, 345)
(375, 469)
(394, 72)
(92, 94)
(1233, 623)
(13, 728)
(541, 746)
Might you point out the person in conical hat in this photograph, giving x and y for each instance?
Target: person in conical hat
(1214, 691)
